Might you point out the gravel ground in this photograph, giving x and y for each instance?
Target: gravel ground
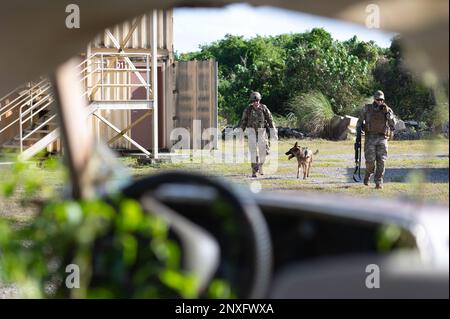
(8, 292)
(341, 171)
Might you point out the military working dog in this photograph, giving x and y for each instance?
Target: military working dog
(304, 158)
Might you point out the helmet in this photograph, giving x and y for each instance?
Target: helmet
(255, 96)
(378, 95)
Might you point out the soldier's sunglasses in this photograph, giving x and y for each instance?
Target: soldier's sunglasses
(379, 100)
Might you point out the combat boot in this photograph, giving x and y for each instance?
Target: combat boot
(366, 179)
(261, 170)
(379, 186)
(255, 168)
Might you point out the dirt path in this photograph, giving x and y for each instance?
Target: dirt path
(339, 168)
(333, 173)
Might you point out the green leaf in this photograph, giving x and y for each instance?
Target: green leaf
(130, 216)
(220, 289)
(130, 247)
(388, 235)
(5, 232)
(8, 188)
(186, 285)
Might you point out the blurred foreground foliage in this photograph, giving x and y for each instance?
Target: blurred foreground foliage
(120, 250)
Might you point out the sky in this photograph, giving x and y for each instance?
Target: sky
(194, 27)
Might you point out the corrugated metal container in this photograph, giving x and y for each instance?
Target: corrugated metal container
(187, 91)
(139, 40)
(141, 37)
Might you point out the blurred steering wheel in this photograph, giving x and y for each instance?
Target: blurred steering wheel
(229, 215)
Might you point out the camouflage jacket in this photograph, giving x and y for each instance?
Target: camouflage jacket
(257, 118)
(376, 120)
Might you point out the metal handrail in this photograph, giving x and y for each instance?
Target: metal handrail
(88, 74)
(115, 85)
(20, 97)
(128, 54)
(127, 70)
(88, 59)
(38, 111)
(32, 107)
(101, 69)
(22, 121)
(16, 102)
(123, 85)
(21, 115)
(87, 66)
(23, 105)
(43, 87)
(4, 97)
(40, 126)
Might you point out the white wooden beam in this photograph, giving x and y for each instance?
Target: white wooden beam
(127, 59)
(129, 139)
(129, 127)
(130, 33)
(40, 145)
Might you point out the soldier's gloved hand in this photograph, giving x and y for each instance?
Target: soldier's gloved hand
(385, 108)
(389, 116)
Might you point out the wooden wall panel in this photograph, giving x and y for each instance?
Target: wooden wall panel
(196, 94)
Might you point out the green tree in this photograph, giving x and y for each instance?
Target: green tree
(286, 66)
(321, 64)
(404, 92)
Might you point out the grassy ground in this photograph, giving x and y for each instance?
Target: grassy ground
(416, 170)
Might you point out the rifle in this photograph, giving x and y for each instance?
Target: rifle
(357, 178)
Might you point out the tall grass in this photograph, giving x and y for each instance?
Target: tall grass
(289, 120)
(313, 112)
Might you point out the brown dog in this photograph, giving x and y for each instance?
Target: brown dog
(304, 158)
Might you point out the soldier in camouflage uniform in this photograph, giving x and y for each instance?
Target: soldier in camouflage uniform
(377, 121)
(257, 118)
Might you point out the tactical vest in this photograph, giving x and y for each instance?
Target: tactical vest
(376, 122)
(256, 118)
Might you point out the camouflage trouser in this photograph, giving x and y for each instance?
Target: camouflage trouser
(258, 144)
(375, 149)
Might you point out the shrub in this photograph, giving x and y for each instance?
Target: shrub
(313, 111)
(120, 250)
(290, 120)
